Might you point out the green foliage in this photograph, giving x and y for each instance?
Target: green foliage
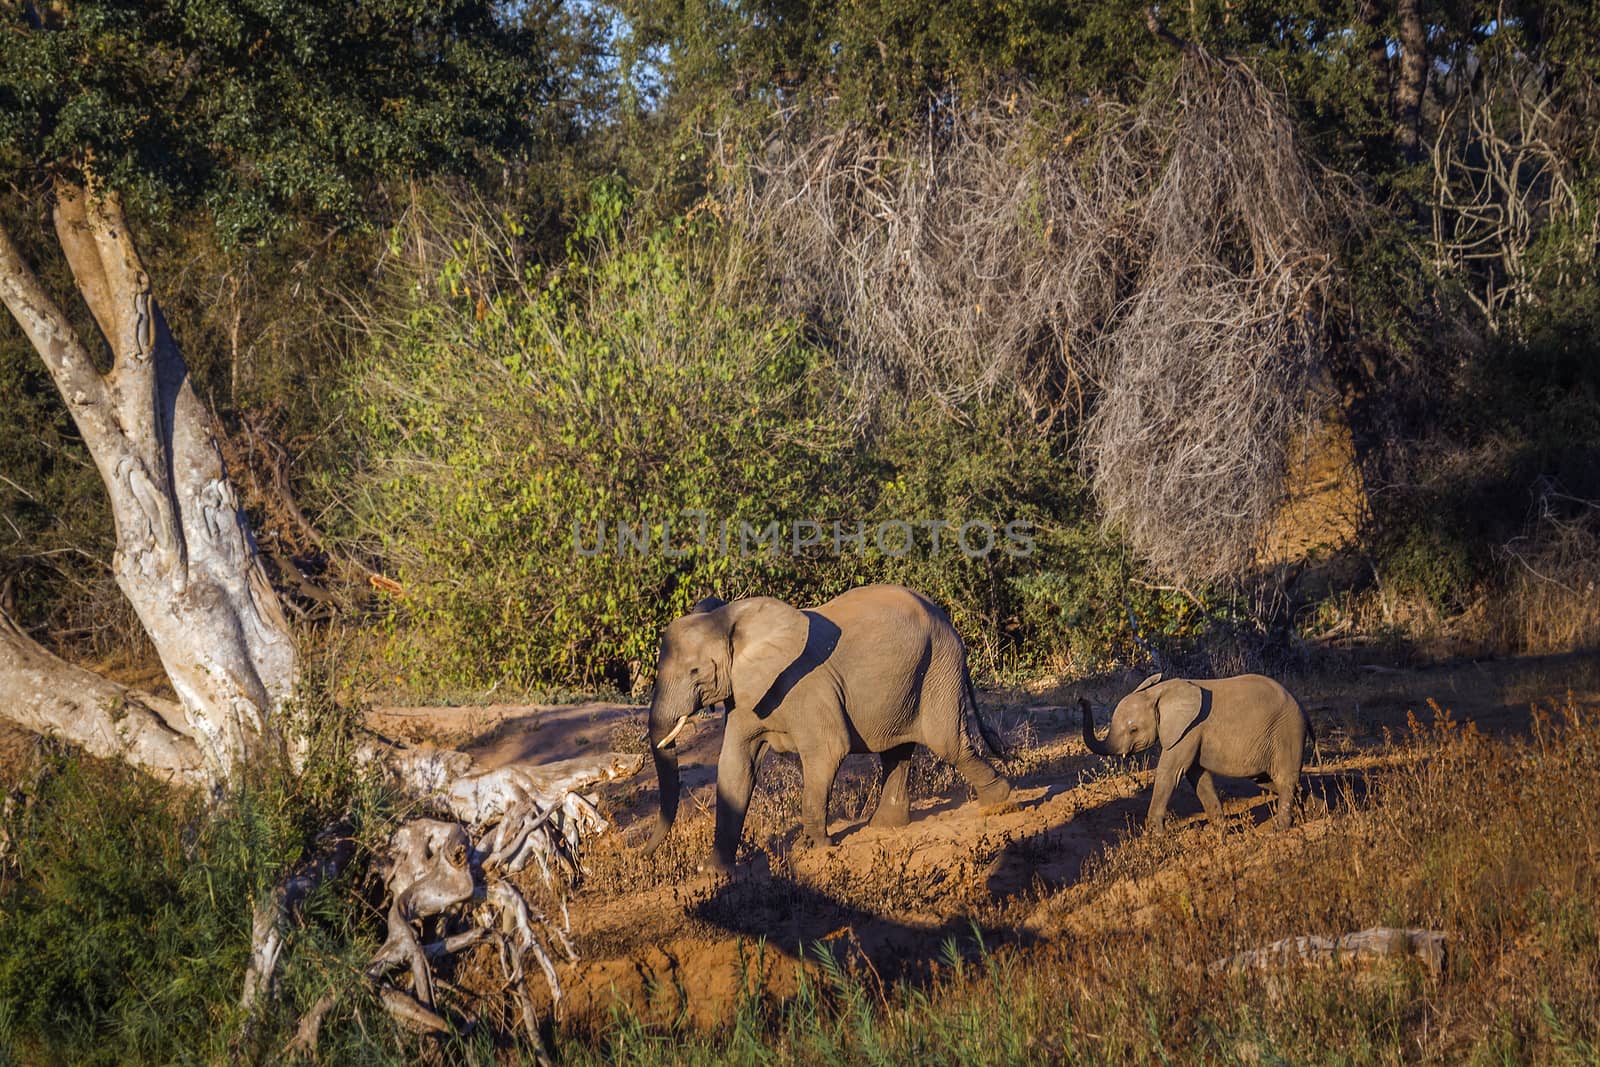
(509, 422)
(125, 914)
(266, 113)
(887, 55)
(125, 908)
(50, 494)
(55, 521)
(1427, 558)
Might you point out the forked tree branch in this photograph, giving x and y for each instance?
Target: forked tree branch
(65, 356)
(50, 696)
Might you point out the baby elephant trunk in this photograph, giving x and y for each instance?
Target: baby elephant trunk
(1097, 746)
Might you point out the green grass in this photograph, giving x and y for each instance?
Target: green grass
(125, 916)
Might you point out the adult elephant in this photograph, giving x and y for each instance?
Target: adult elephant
(876, 669)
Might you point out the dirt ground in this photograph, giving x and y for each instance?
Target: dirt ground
(677, 943)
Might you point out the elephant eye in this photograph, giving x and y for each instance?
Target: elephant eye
(694, 672)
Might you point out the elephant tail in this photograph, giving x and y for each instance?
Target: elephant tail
(991, 736)
(1311, 735)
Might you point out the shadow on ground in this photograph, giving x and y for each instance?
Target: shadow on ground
(803, 921)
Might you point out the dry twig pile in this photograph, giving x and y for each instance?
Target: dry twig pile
(1152, 275)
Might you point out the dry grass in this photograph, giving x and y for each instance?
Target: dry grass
(1542, 599)
(1495, 842)
(1552, 599)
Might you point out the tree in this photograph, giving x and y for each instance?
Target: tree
(114, 112)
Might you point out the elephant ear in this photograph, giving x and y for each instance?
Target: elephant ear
(707, 604)
(1148, 682)
(766, 636)
(1178, 705)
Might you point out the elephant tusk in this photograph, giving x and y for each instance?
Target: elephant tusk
(676, 730)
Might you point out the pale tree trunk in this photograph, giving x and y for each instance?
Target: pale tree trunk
(48, 696)
(186, 561)
(184, 558)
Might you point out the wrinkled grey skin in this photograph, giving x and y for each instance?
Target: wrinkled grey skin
(876, 669)
(1243, 727)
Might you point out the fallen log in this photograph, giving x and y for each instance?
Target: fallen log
(1352, 950)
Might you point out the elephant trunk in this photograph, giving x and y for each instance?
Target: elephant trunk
(1097, 746)
(667, 716)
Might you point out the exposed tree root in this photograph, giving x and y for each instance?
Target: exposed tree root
(506, 818)
(520, 815)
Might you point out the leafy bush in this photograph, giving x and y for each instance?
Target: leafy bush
(125, 915)
(1426, 559)
(513, 423)
(125, 906)
(511, 419)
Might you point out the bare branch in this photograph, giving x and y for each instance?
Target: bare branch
(50, 696)
(69, 362)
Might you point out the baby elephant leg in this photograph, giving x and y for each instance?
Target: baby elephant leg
(1206, 789)
(1167, 775)
(1285, 783)
(1285, 788)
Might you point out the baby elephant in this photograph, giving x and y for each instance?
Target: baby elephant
(1244, 727)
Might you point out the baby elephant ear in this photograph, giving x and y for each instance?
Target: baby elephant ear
(710, 603)
(1178, 705)
(1148, 682)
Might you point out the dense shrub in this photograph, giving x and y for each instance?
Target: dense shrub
(514, 420)
(125, 915)
(510, 419)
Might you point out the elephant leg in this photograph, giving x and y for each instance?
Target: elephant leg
(993, 790)
(1167, 775)
(817, 769)
(736, 781)
(894, 798)
(943, 722)
(1285, 783)
(1206, 789)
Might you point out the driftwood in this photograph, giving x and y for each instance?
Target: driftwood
(519, 815)
(1352, 950)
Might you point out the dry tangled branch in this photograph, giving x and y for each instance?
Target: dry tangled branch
(1504, 176)
(938, 257)
(1167, 262)
(1350, 950)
